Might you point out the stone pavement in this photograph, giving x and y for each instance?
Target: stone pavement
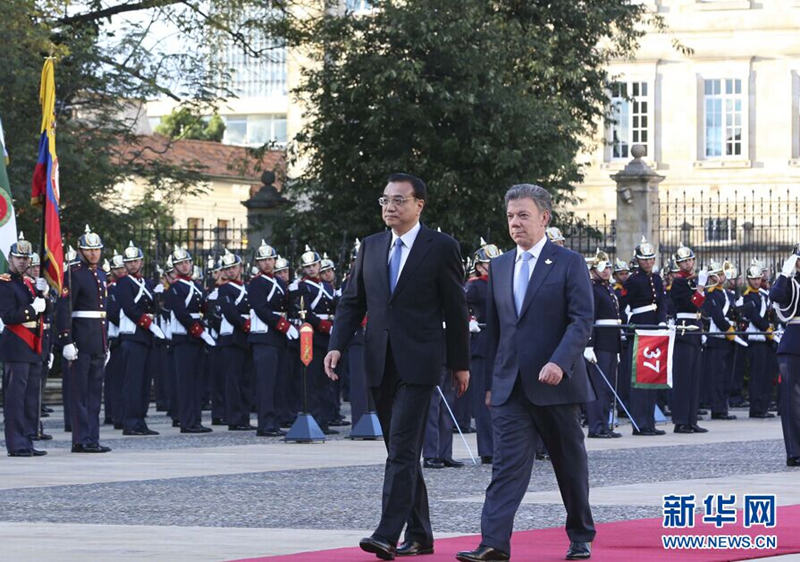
(228, 495)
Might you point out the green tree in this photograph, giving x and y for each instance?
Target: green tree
(471, 95)
(183, 124)
(109, 61)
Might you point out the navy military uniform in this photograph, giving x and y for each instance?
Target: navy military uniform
(319, 301)
(21, 353)
(719, 350)
(269, 334)
(136, 333)
(754, 308)
(785, 293)
(185, 301)
(624, 367)
(647, 300)
(115, 367)
(687, 368)
(81, 323)
(213, 321)
(234, 308)
(605, 343)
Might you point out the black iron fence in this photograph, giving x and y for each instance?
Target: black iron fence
(589, 234)
(734, 224)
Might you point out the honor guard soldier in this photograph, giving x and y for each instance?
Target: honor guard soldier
(319, 301)
(184, 300)
(44, 291)
(164, 368)
(287, 410)
(234, 307)
(213, 321)
(647, 300)
(754, 306)
(270, 331)
(603, 348)
(22, 311)
(555, 236)
(115, 367)
(137, 329)
(81, 322)
(327, 273)
(719, 347)
(476, 301)
(785, 293)
(687, 295)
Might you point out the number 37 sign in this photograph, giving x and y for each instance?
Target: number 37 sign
(652, 359)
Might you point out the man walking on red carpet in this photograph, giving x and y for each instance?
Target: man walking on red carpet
(408, 282)
(539, 312)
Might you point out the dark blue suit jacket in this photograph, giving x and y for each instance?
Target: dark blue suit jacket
(554, 326)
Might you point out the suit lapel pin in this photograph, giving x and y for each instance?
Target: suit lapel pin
(548, 261)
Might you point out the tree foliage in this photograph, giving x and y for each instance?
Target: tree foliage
(183, 124)
(472, 95)
(110, 59)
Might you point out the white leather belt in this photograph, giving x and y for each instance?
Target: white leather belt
(608, 322)
(795, 320)
(30, 324)
(647, 308)
(196, 315)
(688, 316)
(325, 316)
(89, 314)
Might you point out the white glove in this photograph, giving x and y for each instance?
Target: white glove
(39, 305)
(157, 331)
(662, 324)
(702, 277)
(292, 333)
(789, 266)
(207, 338)
(589, 355)
(70, 352)
(50, 361)
(108, 358)
(158, 289)
(41, 284)
(473, 326)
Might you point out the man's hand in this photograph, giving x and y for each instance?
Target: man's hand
(551, 374)
(488, 399)
(331, 361)
(460, 382)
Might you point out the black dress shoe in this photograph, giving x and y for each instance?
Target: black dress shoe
(486, 459)
(379, 547)
(44, 415)
(614, 434)
(644, 432)
(450, 463)
(723, 417)
(702, 412)
(218, 421)
(133, 432)
(482, 554)
(432, 463)
(198, 429)
(94, 448)
(48, 409)
(241, 427)
(176, 423)
(659, 432)
(119, 426)
(42, 437)
(413, 548)
(579, 550)
(38, 453)
(542, 457)
(765, 415)
(270, 433)
(697, 429)
(793, 461)
(683, 428)
(599, 435)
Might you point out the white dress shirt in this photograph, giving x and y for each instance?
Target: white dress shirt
(534, 251)
(408, 241)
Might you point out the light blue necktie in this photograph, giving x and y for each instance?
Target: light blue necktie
(521, 281)
(394, 264)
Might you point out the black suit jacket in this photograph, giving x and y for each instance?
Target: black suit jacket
(428, 293)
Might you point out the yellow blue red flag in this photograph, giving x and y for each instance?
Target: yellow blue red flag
(45, 189)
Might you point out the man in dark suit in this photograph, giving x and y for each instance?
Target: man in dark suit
(408, 281)
(539, 310)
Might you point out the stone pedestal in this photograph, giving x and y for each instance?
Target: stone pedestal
(637, 204)
(263, 209)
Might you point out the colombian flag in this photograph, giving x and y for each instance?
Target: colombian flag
(45, 182)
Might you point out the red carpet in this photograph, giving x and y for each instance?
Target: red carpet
(638, 540)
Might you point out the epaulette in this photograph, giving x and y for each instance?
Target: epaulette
(5, 277)
(75, 266)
